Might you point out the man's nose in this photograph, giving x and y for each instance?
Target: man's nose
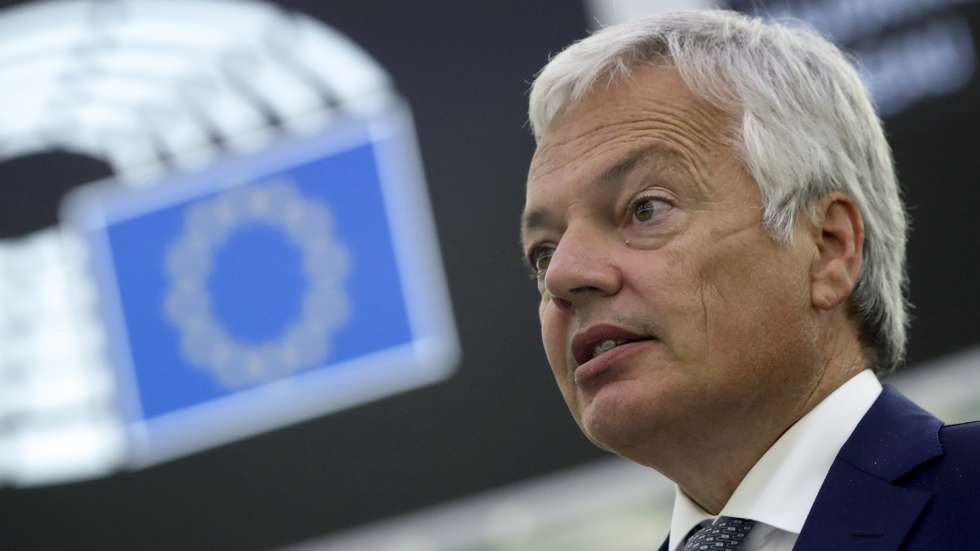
(582, 266)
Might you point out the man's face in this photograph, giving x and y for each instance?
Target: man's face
(666, 309)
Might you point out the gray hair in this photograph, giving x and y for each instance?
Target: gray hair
(805, 127)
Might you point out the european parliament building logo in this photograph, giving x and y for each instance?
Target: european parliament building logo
(271, 287)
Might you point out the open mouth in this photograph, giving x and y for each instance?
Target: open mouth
(600, 339)
(607, 345)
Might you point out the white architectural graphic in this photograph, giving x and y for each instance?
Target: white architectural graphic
(150, 87)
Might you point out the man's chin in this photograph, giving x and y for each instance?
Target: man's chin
(613, 429)
(612, 441)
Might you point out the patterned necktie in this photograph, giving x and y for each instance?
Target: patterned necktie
(724, 534)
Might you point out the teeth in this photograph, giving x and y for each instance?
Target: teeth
(605, 346)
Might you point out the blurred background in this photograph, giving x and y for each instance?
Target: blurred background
(484, 457)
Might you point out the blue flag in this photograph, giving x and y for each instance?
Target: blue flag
(271, 288)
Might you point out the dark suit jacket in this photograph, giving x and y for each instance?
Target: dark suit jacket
(903, 480)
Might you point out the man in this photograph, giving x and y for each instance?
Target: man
(716, 231)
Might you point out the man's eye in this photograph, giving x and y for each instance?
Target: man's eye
(645, 208)
(539, 258)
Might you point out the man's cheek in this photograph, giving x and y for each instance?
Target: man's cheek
(684, 313)
(552, 340)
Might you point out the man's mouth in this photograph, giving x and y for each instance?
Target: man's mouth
(606, 346)
(599, 339)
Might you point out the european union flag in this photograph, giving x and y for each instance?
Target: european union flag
(271, 288)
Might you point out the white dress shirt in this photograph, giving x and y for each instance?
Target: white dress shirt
(781, 487)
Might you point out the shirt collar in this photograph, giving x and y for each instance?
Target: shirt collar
(781, 487)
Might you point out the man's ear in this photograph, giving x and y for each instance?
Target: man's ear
(839, 233)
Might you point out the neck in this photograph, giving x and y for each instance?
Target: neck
(709, 467)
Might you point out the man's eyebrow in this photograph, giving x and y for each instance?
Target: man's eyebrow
(534, 219)
(615, 173)
(624, 166)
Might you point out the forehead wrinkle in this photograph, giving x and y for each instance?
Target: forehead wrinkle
(704, 122)
(608, 134)
(693, 131)
(697, 130)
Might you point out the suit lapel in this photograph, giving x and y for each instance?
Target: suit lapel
(859, 506)
(856, 510)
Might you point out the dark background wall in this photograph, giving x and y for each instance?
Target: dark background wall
(465, 68)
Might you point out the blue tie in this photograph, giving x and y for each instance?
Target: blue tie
(723, 534)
